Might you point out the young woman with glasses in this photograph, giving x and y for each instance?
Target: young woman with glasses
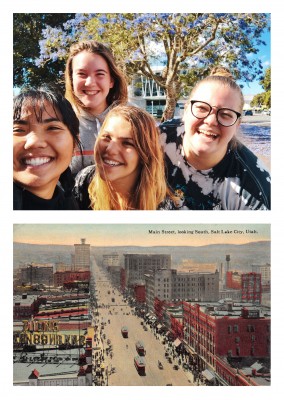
(206, 164)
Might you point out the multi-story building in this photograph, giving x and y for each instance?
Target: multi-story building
(171, 285)
(61, 278)
(233, 330)
(37, 274)
(137, 265)
(111, 260)
(234, 280)
(251, 287)
(264, 270)
(201, 286)
(82, 257)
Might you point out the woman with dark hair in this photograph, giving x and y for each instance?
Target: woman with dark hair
(45, 133)
(206, 164)
(94, 85)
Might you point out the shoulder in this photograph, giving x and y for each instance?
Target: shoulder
(85, 175)
(17, 197)
(64, 201)
(80, 190)
(172, 129)
(249, 160)
(255, 176)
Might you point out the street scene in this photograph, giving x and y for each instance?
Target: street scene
(113, 361)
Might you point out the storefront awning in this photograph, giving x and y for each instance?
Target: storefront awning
(208, 375)
(177, 342)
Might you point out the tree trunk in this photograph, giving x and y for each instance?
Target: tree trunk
(171, 100)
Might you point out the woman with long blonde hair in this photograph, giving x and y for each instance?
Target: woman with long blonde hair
(129, 168)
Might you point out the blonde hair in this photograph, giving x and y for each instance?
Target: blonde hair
(221, 75)
(118, 93)
(151, 187)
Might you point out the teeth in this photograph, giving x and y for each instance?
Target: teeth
(37, 161)
(111, 162)
(90, 92)
(208, 133)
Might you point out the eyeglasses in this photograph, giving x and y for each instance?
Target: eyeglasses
(225, 116)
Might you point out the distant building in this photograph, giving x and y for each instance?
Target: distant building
(61, 278)
(82, 257)
(147, 94)
(171, 285)
(111, 259)
(35, 273)
(251, 287)
(137, 265)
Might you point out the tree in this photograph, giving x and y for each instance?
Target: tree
(188, 45)
(264, 99)
(27, 32)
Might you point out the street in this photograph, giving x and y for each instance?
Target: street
(112, 317)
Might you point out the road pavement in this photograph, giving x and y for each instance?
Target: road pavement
(258, 119)
(114, 315)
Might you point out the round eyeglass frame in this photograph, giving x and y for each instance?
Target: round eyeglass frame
(238, 115)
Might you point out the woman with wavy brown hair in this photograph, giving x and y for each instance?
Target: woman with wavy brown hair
(94, 85)
(129, 167)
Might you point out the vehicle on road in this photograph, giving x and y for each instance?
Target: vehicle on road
(176, 367)
(113, 299)
(248, 112)
(140, 365)
(160, 365)
(140, 348)
(124, 331)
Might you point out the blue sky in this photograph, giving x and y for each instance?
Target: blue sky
(265, 56)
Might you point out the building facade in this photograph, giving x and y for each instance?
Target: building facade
(82, 256)
(137, 265)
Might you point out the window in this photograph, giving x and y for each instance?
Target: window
(229, 329)
(236, 328)
(237, 339)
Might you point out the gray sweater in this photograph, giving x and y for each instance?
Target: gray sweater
(89, 129)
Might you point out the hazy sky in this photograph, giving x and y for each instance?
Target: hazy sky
(139, 234)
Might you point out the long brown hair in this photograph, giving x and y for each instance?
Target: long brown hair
(118, 93)
(151, 187)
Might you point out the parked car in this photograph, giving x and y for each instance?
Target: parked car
(248, 112)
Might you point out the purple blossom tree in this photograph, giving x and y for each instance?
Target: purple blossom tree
(187, 45)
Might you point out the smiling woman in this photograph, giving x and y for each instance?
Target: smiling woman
(129, 172)
(45, 131)
(206, 164)
(94, 85)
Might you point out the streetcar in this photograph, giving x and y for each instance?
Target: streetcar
(140, 348)
(140, 365)
(124, 331)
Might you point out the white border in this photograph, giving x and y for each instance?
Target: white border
(7, 217)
